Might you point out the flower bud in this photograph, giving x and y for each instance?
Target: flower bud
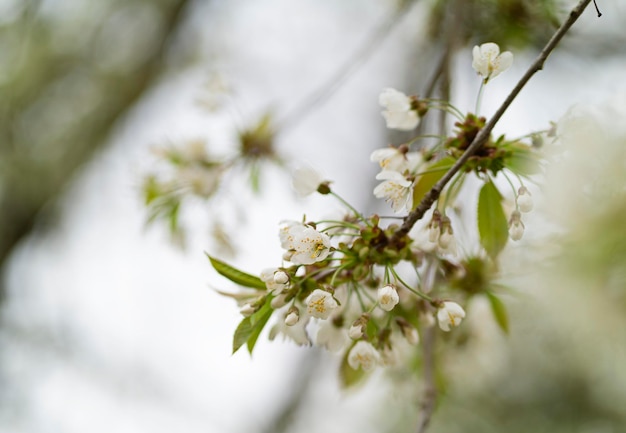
(358, 327)
(388, 297)
(281, 277)
(516, 227)
(292, 317)
(524, 200)
(247, 310)
(279, 301)
(408, 331)
(434, 227)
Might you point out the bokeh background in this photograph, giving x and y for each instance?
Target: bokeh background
(110, 325)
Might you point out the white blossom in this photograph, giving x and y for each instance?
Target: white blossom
(320, 304)
(397, 159)
(489, 62)
(296, 333)
(398, 112)
(306, 180)
(450, 315)
(395, 188)
(524, 200)
(332, 337)
(388, 297)
(363, 354)
(304, 244)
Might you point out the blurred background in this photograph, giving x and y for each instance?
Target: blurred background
(110, 324)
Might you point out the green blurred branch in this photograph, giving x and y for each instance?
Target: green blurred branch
(38, 158)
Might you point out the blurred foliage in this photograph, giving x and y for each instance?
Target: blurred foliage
(68, 71)
(510, 23)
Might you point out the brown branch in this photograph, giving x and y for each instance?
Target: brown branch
(483, 135)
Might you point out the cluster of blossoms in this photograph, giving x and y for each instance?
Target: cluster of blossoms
(367, 289)
(339, 288)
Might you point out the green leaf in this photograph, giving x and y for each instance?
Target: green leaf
(426, 181)
(492, 225)
(237, 276)
(242, 333)
(250, 328)
(499, 311)
(348, 377)
(258, 321)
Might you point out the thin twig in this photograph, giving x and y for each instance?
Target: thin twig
(483, 135)
(342, 74)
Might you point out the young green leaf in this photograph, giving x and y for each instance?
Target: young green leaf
(492, 225)
(258, 321)
(237, 276)
(426, 181)
(499, 311)
(242, 333)
(250, 328)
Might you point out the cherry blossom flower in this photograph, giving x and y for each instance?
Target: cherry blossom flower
(304, 244)
(306, 180)
(296, 333)
(320, 304)
(334, 338)
(397, 159)
(398, 112)
(489, 62)
(450, 315)
(396, 188)
(363, 354)
(388, 297)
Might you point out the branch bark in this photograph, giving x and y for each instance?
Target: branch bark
(416, 214)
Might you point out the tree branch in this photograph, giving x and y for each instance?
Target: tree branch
(483, 135)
